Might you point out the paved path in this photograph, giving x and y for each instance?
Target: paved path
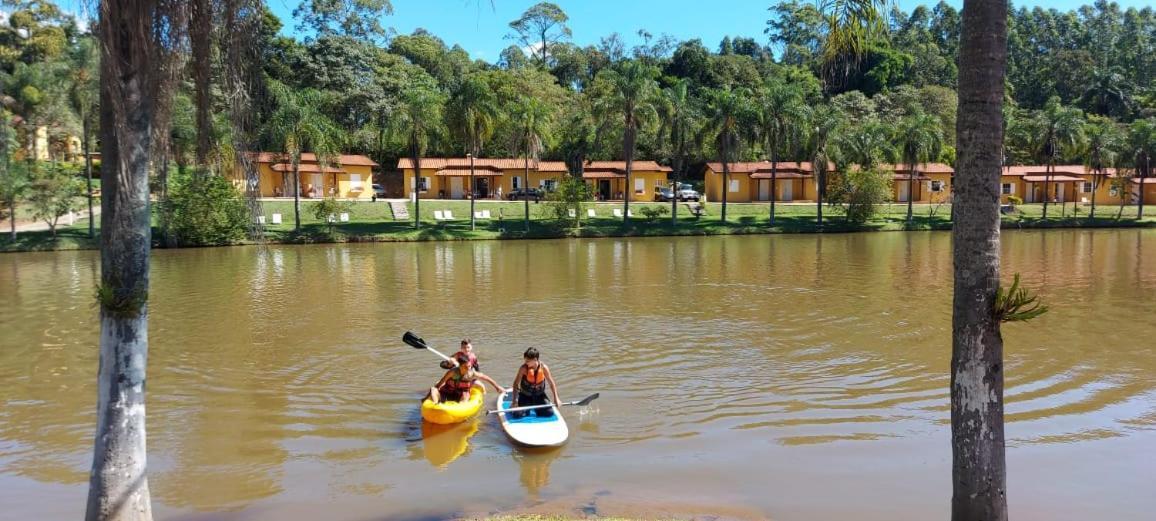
(41, 226)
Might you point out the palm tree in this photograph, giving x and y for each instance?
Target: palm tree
(783, 115)
(1055, 130)
(728, 115)
(532, 120)
(473, 114)
(1109, 93)
(1142, 142)
(298, 124)
(1101, 150)
(866, 145)
(631, 96)
(979, 472)
(417, 121)
(826, 121)
(82, 97)
(678, 116)
(919, 137)
(849, 27)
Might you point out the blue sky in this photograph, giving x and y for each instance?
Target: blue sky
(480, 29)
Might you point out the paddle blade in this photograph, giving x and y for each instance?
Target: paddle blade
(414, 340)
(586, 401)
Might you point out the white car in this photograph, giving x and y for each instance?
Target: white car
(687, 193)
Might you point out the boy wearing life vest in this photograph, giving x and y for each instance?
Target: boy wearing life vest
(466, 349)
(530, 386)
(455, 385)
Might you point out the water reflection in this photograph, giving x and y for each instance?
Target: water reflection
(442, 444)
(534, 467)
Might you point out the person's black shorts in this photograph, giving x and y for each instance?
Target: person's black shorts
(525, 400)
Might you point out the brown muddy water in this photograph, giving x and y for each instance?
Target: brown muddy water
(783, 377)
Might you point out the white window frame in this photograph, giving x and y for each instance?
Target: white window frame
(355, 183)
(936, 186)
(659, 183)
(734, 187)
(639, 185)
(425, 184)
(548, 185)
(1087, 187)
(1008, 188)
(515, 183)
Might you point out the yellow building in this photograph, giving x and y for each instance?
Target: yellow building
(931, 185)
(751, 181)
(349, 177)
(497, 178)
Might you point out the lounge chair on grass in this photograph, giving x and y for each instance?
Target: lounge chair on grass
(439, 216)
(590, 213)
(617, 213)
(572, 213)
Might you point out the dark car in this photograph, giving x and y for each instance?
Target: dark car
(663, 194)
(378, 191)
(532, 194)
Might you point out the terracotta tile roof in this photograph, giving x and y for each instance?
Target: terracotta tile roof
(1146, 180)
(764, 166)
(904, 176)
(466, 172)
(441, 163)
(1056, 178)
(307, 168)
(1043, 169)
(781, 175)
(602, 174)
(308, 157)
(927, 168)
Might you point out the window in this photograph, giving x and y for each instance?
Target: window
(355, 183)
(1087, 187)
(937, 186)
(548, 185)
(640, 186)
(1008, 189)
(659, 183)
(734, 185)
(1114, 192)
(515, 182)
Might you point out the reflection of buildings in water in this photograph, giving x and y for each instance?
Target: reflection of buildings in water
(442, 444)
(535, 467)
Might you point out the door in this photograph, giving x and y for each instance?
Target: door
(903, 193)
(455, 187)
(1061, 192)
(318, 182)
(789, 191)
(483, 188)
(764, 190)
(604, 189)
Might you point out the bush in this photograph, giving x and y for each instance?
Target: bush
(329, 209)
(53, 194)
(571, 193)
(866, 190)
(1014, 200)
(204, 210)
(654, 212)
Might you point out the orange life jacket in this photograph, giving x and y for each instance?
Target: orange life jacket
(533, 380)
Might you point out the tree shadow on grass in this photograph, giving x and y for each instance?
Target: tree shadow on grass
(66, 239)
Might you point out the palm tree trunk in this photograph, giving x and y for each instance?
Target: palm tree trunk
(726, 185)
(118, 483)
(774, 180)
(526, 191)
(1047, 183)
(820, 178)
(631, 134)
(977, 427)
(1143, 175)
(910, 194)
(1095, 187)
(416, 186)
(84, 119)
(473, 193)
(297, 192)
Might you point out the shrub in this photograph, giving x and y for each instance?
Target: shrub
(204, 210)
(867, 189)
(1014, 200)
(53, 193)
(329, 209)
(654, 212)
(571, 193)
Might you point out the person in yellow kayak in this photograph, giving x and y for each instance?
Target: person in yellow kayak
(530, 386)
(466, 349)
(456, 383)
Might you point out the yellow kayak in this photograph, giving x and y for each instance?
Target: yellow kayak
(446, 413)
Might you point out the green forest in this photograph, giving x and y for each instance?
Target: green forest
(845, 86)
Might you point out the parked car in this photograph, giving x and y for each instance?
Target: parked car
(663, 194)
(687, 192)
(378, 191)
(532, 194)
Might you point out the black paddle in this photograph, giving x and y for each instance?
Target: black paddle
(418, 343)
(581, 403)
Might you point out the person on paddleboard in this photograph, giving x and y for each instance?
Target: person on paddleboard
(466, 349)
(456, 383)
(530, 386)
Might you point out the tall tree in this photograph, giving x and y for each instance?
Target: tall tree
(473, 114)
(850, 26)
(631, 96)
(920, 140)
(727, 127)
(979, 474)
(418, 122)
(532, 130)
(826, 121)
(1142, 142)
(1103, 139)
(359, 19)
(298, 125)
(83, 93)
(1055, 130)
(678, 116)
(540, 28)
(783, 117)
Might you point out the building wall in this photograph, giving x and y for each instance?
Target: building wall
(740, 182)
(1016, 184)
(269, 181)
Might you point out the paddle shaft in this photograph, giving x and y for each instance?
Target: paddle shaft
(585, 401)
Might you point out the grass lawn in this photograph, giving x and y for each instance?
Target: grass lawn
(373, 221)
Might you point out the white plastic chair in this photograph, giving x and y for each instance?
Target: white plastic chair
(590, 213)
(486, 214)
(573, 214)
(261, 219)
(630, 213)
(449, 215)
(479, 215)
(439, 216)
(344, 217)
(618, 213)
(276, 218)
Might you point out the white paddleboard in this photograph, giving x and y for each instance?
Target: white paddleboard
(532, 430)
